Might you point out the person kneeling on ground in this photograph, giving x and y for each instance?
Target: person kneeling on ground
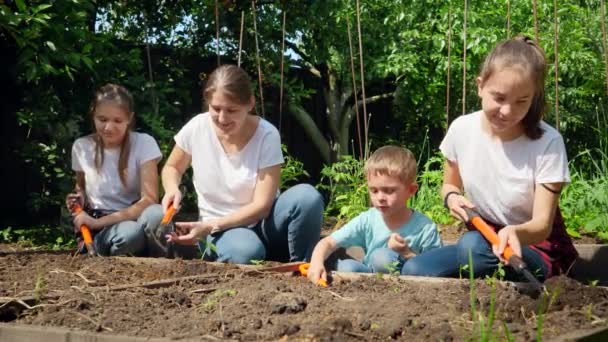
(116, 177)
(236, 162)
(390, 233)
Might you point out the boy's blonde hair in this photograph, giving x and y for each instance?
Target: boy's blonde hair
(393, 161)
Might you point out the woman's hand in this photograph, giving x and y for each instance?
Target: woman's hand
(507, 237)
(74, 197)
(456, 204)
(173, 197)
(84, 218)
(316, 271)
(188, 233)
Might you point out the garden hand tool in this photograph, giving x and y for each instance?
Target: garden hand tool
(299, 266)
(84, 231)
(304, 272)
(514, 261)
(165, 227)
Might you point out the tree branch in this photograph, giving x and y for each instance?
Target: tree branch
(307, 62)
(311, 129)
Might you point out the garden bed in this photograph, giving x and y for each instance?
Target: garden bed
(193, 299)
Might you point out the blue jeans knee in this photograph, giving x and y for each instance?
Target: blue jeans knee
(235, 246)
(352, 265)
(385, 260)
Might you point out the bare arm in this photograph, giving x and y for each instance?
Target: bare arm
(322, 250)
(175, 167)
(266, 188)
(452, 182)
(539, 227)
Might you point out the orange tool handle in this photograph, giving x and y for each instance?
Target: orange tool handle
(169, 214)
(304, 271)
(487, 231)
(84, 230)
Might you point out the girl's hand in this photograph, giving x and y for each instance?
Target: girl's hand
(316, 271)
(456, 203)
(75, 197)
(507, 237)
(172, 197)
(188, 233)
(400, 245)
(84, 218)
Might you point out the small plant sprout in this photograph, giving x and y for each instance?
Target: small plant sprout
(257, 262)
(214, 299)
(39, 287)
(208, 247)
(393, 267)
(593, 283)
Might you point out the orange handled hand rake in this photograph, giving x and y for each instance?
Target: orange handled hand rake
(304, 272)
(85, 231)
(490, 234)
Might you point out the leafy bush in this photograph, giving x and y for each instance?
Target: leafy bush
(292, 170)
(428, 198)
(345, 181)
(584, 203)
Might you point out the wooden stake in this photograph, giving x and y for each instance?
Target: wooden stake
(352, 72)
(241, 38)
(217, 34)
(257, 54)
(282, 71)
(604, 41)
(464, 61)
(365, 127)
(555, 44)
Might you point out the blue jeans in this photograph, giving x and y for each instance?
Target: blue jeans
(382, 260)
(452, 260)
(289, 233)
(127, 237)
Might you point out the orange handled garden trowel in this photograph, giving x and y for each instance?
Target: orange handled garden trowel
(514, 261)
(84, 231)
(292, 267)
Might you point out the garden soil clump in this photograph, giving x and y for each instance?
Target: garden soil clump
(225, 301)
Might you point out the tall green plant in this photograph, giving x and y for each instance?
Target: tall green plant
(346, 183)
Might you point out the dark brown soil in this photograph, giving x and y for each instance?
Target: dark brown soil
(225, 301)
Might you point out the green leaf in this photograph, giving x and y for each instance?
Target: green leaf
(51, 45)
(574, 233)
(20, 5)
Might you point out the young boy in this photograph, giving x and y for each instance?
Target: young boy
(390, 233)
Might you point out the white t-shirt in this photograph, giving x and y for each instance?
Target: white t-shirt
(104, 189)
(500, 177)
(226, 182)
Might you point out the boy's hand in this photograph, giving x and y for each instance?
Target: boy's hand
(400, 245)
(316, 271)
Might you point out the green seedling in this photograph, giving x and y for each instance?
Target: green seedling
(257, 262)
(39, 287)
(393, 268)
(208, 247)
(214, 299)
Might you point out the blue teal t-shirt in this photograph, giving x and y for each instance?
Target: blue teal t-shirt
(369, 232)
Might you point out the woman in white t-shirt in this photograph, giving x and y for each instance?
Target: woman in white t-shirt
(236, 160)
(508, 165)
(116, 176)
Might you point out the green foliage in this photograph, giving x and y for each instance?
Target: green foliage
(428, 198)
(292, 170)
(585, 202)
(347, 186)
(47, 236)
